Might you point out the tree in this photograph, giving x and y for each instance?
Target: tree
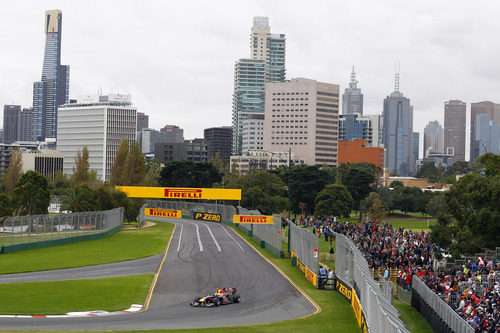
(218, 162)
(263, 190)
(375, 208)
(153, 169)
(189, 174)
(358, 178)
(78, 199)
(59, 184)
(14, 171)
(429, 171)
(305, 183)
(491, 164)
(473, 201)
(334, 200)
(117, 169)
(135, 166)
(81, 168)
(31, 195)
(5, 205)
(437, 206)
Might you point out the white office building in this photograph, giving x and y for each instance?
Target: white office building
(100, 123)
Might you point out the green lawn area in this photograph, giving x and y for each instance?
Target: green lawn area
(60, 297)
(121, 246)
(415, 225)
(414, 322)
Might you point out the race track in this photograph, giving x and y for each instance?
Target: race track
(202, 257)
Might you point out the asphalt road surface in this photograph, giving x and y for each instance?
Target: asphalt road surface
(202, 257)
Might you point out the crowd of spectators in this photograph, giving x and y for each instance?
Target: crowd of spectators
(473, 291)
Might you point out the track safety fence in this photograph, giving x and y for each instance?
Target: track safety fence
(31, 231)
(354, 278)
(438, 313)
(304, 249)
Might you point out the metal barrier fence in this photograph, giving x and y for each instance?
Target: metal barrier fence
(270, 233)
(352, 268)
(303, 243)
(19, 230)
(431, 305)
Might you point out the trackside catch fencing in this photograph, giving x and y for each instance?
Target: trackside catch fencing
(302, 246)
(440, 315)
(36, 231)
(354, 278)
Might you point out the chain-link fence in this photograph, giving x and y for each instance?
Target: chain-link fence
(303, 243)
(439, 314)
(270, 233)
(352, 268)
(20, 230)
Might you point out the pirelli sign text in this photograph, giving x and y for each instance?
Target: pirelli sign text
(183, 193)
(253, 219)
(160, 212)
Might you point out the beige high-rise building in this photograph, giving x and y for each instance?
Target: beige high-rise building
(489, 108)
(302, 115)
(454, 129)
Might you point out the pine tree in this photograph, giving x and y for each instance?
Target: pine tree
(14, 171)
(117, 170)
(135, 166)
(81, 168)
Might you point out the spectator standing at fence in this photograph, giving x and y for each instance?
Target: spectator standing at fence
(330, 276)
(323, 275)
(331, 253)
(386, 273)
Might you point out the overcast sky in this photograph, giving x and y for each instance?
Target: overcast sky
(176, 58)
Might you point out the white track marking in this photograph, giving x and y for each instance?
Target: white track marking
(232, 238)
(199, 239)
(180, 238)
(213, 237)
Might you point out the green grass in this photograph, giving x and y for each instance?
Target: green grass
(121, 246)
(413, 320)
(60, 297)
(415, 225)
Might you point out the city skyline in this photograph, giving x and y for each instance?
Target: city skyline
(435, 44)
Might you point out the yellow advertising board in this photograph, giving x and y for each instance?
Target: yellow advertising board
(310, 276)
(160, 212)
(184, 193)
(253, 219)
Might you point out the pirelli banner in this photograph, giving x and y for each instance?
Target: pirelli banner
(350, 295)
(160, 212)
(183, 193)
(310, 275)
(253, 219)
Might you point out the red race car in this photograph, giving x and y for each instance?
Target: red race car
(220, 297)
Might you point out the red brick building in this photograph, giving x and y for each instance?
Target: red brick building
(356, 151)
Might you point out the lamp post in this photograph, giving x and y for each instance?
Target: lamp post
(289, 189)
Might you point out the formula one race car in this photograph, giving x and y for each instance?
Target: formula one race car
(220, 297)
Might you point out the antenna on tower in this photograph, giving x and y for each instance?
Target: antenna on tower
(396, 77)
(353, 82)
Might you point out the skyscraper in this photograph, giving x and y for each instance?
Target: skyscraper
(142, 121)
(398, 132)
(25, 125)
(10, 122)
(266, 64)
(218, 140)
(302, 115)
(174, 134)
(416, 146)
(352, 99)
(53, 89)
(454, 129)
(433, 138)
(492, 110)
(99, 124)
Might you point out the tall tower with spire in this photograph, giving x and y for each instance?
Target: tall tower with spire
(398, 132)
(352, 99)
(53, 89)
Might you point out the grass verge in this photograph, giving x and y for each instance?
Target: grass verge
(413, 320)
(60, 297)
(124, 245)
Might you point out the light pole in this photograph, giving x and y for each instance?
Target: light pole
(289, 188)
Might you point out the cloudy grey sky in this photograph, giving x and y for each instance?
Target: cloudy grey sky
(176, 58)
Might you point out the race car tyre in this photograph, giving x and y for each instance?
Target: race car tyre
(236, 299)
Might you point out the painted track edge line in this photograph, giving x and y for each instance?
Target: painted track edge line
(313, 303)
(150, 294)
